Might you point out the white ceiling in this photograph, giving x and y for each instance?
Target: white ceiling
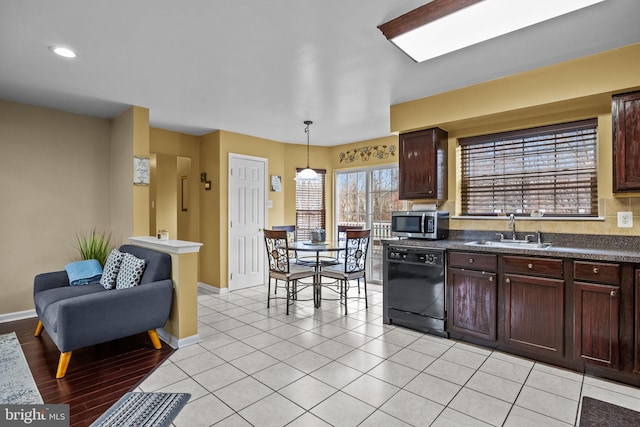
(262, 67)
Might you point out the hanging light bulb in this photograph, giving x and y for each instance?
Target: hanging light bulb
(307, 174)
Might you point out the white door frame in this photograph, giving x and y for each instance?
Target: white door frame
(264, 207)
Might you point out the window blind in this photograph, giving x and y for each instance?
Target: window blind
(310, 205)
(551, 169)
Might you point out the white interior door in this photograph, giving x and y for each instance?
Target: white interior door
(247, 183)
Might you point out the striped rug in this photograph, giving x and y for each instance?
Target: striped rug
(143, 410)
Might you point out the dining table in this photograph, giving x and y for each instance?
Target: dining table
(323, 251)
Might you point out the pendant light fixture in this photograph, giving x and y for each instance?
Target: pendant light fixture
(307, 174)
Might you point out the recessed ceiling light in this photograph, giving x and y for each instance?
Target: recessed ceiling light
(444, 26)
(63, 51)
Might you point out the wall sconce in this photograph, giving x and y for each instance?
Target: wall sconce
(203, 178)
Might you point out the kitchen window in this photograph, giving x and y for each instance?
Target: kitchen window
(550, 171)
(310, 206)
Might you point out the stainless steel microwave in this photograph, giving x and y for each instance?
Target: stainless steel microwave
(433, 225)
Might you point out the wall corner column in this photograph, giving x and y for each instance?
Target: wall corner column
(181, 329)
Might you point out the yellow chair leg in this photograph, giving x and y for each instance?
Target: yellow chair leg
(39, 328)
(63, 364)
(155, 339)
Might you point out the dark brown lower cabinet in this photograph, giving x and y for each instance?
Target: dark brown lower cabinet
(597, 323)
(636, 348)
(473, 303)
(534, 314)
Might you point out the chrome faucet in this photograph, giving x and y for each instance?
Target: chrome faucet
(512, 225)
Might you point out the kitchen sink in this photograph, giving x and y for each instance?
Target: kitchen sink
(517, 244)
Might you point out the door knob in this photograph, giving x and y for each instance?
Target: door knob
(260, 229)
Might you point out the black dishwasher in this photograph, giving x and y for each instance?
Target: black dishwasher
(414, 288)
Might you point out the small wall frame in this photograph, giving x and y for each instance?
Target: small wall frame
(141, 171)
(276, 183)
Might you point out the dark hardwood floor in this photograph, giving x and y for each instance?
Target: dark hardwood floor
(97, 376)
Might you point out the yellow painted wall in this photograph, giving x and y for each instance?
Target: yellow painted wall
(166, 196)
(214, 159)
(177, 145)
(210, 221)
(140, 117)
(572, 90)
(55, 175)
(184, 208)
(122, 176)
(129, 137)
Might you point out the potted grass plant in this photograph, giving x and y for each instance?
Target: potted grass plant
(94, 245)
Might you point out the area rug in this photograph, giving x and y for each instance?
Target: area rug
(596, 413)
(17, 386)
(144, 410)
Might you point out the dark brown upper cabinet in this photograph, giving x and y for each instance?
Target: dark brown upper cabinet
(423, 164)
(625, 113)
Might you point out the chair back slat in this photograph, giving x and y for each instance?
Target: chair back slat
(357, 249)
(342, 230)
(291, 236)
(277, 250)
(290, 229)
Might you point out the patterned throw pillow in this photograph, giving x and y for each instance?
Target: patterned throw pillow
(111, 268)
(130, 272)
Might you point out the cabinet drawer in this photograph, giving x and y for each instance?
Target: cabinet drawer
(473, 261)
(549, 267)
(596, 272)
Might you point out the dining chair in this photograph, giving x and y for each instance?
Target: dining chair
(280, 267)
(353, 267)
(291, 237)
(342, 235)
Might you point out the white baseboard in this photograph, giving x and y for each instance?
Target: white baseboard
(212, 288)
(18, 315)
(175, 342)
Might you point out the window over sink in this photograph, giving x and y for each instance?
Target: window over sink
(549, 170)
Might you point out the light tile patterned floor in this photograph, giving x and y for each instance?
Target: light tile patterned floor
(317, 367)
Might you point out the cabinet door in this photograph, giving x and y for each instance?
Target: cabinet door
(636, 350)
(625, 112)
(534, 314)
(597, 323)
(473, 301)
(423, 164)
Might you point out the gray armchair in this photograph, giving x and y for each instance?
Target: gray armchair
(80, 316)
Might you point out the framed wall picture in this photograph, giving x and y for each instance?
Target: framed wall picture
(276, 181)
(141, 171)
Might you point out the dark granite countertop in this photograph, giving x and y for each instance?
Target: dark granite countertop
(587, 247)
